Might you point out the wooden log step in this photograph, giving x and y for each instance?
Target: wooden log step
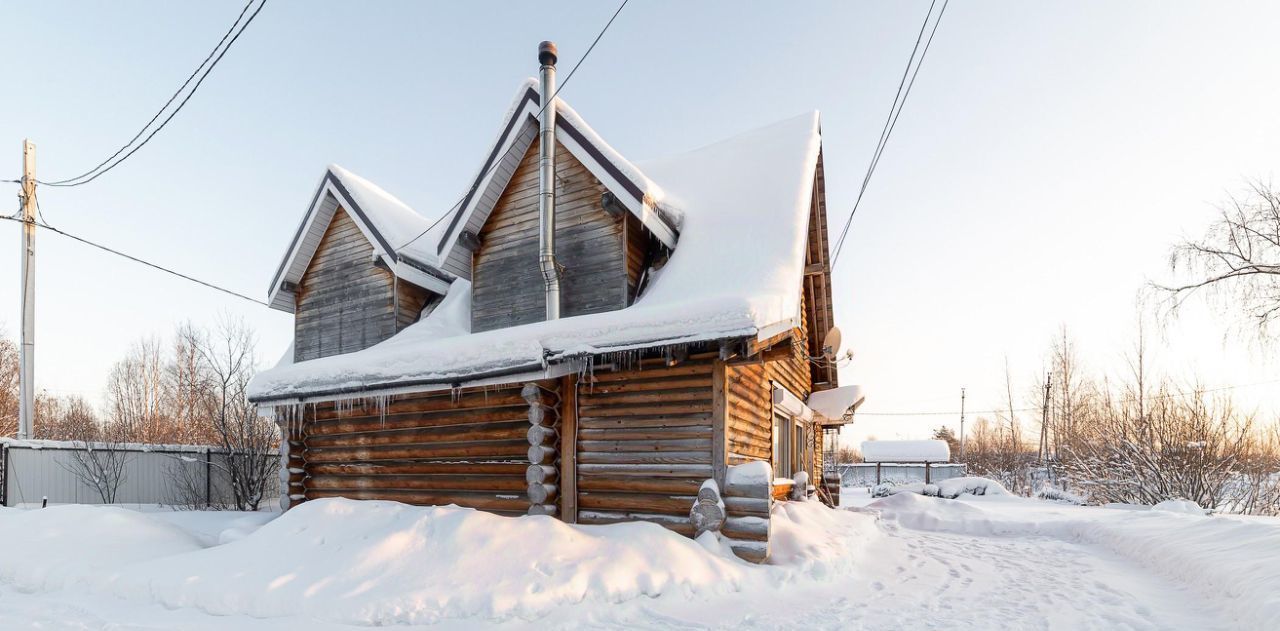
(507, 430)
(639, 484)
(645, 446)
(746, 528)
(748, 506)
(482, 501)
(668, 457)
(494, 483)
(753, 551)
(637, 502)
(494, 449)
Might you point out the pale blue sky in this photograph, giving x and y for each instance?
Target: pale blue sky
(1049, 155)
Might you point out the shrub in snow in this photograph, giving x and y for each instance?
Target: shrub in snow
(1185, 507)
(949, 489)
(1055, 494)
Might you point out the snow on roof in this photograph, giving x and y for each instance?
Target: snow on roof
(753, 191)
(834, 403)
(392, 218)
(906, 451)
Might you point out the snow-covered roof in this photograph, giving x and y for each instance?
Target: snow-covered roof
(388, 224)
(753, 190)
(836, 402)
(906, 451)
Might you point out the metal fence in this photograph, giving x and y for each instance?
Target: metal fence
(32, 471)
(864, 473)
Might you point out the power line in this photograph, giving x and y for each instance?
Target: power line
(144, 262)
(96, 171)
(891, 121)
(494, 165)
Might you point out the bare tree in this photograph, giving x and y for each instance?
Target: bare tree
(99, 461)
(64, 418)
(1237, 260)
(226, 366)
(9, 394)
(137, 395)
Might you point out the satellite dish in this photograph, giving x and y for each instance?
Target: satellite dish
(831, 344)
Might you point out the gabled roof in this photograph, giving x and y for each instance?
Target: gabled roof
(736, 272)
(639, 194)
(385, 221)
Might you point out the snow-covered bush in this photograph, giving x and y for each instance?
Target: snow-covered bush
(1055, 494)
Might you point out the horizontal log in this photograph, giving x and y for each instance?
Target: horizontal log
(541, 415)
(482, 501)
(683, 370)
(639, 398)
(541, 473)
(636, 502)
(514, 468)
(542, 493)
(646, 410)
(668, 457)
(508, 430)
(540, 454)
(645, 433)
(543, 509)
(656, 421)
(488, 450)
(753, 551)
(639, 484)
(493, 483)
(437, 403)
(616, 387)
(746, 528)
(697, 471)
(747, 506)
(416, 420)
(645, 446)
(541, 435)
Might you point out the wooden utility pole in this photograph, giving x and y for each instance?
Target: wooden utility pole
(1044, 418)
(961, 423)
(26, 375)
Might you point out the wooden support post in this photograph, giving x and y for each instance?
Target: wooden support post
(926, 472)
(719, 442)
(569, 449)
(877, 473)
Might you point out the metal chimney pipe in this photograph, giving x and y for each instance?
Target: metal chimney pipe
(547, 180)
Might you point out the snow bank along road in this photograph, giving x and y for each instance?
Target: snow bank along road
(903, 562)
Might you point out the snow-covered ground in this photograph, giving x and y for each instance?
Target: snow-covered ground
(905, 561)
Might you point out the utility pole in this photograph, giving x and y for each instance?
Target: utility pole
(1044, 418)
(26, 375)
(961, 423)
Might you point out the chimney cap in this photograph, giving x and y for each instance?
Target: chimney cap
(547, 53)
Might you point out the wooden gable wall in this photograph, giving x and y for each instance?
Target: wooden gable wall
(345, 300)
(591, 244)
(818, 310)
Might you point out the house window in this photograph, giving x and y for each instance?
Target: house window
(783, 426)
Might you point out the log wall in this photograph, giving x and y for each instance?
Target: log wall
(468, 448)
(645, 442)
(749, 402)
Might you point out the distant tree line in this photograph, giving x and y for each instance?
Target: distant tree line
(190, 389)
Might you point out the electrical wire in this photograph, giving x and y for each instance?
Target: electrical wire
(97, 171)
(483, 174)
(891, 121)
(139, 260)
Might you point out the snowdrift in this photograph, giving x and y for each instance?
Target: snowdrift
(375, 563)
(1225, 558)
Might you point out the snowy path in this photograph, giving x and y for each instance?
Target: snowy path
(904, 563)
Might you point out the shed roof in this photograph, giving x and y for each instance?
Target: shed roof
(906, 451)
(754, 189)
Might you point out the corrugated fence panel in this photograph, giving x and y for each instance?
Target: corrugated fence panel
(157, 476)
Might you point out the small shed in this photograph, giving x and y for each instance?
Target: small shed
(926, 452)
